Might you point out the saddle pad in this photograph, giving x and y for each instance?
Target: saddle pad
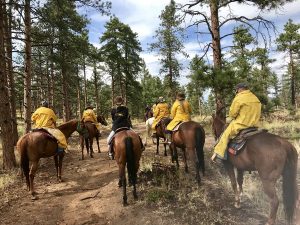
(121, 129)
(236, 144)
(177, 126)
(45, 132)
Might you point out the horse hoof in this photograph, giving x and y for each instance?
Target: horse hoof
(34, 197)
(237, 205)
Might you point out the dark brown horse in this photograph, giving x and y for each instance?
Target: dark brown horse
(88, 136)
(190, 137)
(127, 148)
(272, 156)
(160, 133)
(35, 145)
(148, 114)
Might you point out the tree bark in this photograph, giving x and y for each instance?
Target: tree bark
(11, 80)
(66, 107)
(27, 75)
(217, 57)
(85, 84)
(9, 160)
(96, 88)
(78, 95)
(293, 86)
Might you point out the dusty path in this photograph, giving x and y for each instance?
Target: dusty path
(89, 195)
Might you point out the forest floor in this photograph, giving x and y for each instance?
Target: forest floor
(89, 194)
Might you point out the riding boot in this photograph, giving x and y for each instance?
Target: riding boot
(110, 152)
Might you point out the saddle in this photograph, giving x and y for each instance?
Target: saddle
(117, 131)
(236, 144)
(45, 133)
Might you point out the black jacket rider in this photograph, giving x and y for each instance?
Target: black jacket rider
(120, 117)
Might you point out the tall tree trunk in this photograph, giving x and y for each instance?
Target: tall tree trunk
(293, 86)
(85, 83)
(11, 80)
(66, 107)
(96, 88)
(78, 94)
(27, 76)
(217, 57)
(112, 89)
(9, 160)
(51, 76)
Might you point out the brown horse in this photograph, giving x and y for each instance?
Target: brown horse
(190, 137)
(160, 133)
(127, 148)
(272, 156)
(35, 145)
(88, 136)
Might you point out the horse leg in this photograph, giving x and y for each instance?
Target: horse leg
(32, 172)
(122, 180)
(240, 180)
(184, 160)
(165, 146)
(157, 145)
(134, 192)
(56, 164)
(60, 160)
(87, 145)
(270, 190)
(174, 154)
(82, 146)
(97, 139)
(91, 147)
(230, 171)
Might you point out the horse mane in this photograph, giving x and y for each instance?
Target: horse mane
(66, 124)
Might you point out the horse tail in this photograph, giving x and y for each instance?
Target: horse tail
(289, 185)
(24, 160)
(130, 159)
(199, 148)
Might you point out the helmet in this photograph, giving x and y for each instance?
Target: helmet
(180, 96)
(119, 100)
(45, 103)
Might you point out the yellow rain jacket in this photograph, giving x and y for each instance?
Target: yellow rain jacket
(161, 110)
(179, 113)
(245, 111)
(90, 116)
(45, 118)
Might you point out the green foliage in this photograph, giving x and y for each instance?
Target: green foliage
(169, 42)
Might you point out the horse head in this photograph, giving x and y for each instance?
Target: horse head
(101, 119)
(218, 125)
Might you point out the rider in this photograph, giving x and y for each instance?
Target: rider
(245, 111)
(161, 110)
(120, 118)
(90, 116)
(180, 112)
(45, 118)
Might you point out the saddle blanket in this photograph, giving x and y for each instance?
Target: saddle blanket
(236, 144)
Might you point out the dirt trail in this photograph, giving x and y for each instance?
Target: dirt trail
(90, 195)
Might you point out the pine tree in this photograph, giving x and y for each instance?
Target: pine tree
(169, 42)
